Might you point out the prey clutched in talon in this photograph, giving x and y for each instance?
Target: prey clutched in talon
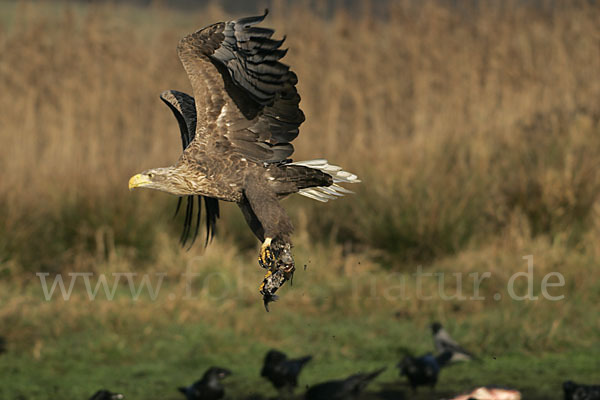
(281, 268)
(265, 281)
(271, 283)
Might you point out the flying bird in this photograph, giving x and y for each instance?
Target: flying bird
(423, 370)
(209, 387)
(106, 395)
(344, 389)
(576, 391)
(443, 342)
(283, 372)
(236, 133)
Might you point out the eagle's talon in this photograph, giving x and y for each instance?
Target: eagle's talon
(266, 258)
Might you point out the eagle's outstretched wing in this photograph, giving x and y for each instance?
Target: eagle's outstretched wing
(246, 99)
(183, 107)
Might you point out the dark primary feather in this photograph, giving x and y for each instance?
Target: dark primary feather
(346, 389)
(189, 211)
(281, 371)
(576, 391)
(212, 214)
(242, 90)
(209, 387)
(183, 108)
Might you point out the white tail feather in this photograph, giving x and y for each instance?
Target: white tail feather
(325, 193)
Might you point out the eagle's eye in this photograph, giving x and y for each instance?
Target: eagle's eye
(151, 175)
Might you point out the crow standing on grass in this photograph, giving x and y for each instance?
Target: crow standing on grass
(283, 372)
(345, 389)
(424, 370)
(576, 391)
(209, 387)
(443, 342)
(106, 395)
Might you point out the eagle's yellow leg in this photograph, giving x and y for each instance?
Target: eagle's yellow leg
(265, 257)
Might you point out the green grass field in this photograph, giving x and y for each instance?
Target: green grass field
(148, 362)
(476, 134)
(353, 321)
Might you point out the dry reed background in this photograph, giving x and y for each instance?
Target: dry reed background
(476, 131)
(457, 120)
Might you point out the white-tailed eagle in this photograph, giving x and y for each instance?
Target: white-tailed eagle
(236, 133)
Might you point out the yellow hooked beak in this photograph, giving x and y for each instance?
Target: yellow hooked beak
(138, 181)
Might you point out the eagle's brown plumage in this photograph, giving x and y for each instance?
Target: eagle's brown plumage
(237, 130)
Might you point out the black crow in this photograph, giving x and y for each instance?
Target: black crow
(424, 370)
(209, 387)
(344, 389)
(106, 395)
(576, 391)
(443, 342)
(283, 372)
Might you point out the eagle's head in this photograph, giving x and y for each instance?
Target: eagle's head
(167, 179)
